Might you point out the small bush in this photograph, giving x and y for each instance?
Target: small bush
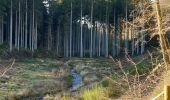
(68, 80)
(40, 53)
(142, 67)
(3, 49)
(105, 83)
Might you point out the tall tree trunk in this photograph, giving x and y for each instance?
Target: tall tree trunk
(94, 39)
(33, 28)
(73, 40)
(19, 26)
(58, 34)
(30, 32)
(64, 48)
(71, 27)
(118, 38)
(36, 33)
(137, 45)
(126, 31)
(2, 29)
(78, 40)
(143, 28)
(107, 32)
(67, 45)
(81, 34)
(133, 33)
(16, 29)
(163, 38)
(11, 28)
(114, 34)
(100, 33)
(26, 25)
(21, 30)
(103, 41)
(142, 40)
(91, 34)
(49, 36)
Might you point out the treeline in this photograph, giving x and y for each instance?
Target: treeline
(19, 23)
(84, 28)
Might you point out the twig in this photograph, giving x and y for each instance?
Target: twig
(7, 69)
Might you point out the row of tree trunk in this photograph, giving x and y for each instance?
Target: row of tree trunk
(83, 37)
(1, 31)
(25, 34)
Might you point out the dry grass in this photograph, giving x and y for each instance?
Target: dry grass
(34, 78)
(96, 93)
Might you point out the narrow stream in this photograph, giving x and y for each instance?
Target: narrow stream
(77, 80)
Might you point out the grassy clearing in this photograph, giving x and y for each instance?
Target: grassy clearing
(38, 78)
(35, 77)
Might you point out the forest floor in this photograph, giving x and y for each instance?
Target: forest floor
(47, 78)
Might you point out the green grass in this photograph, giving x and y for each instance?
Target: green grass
(114, 90)
(143, 67)
(68, 79)
(92, 62)
(105, 83)
(28, 73)
(37, 76)
(96, 93)
(3, 49)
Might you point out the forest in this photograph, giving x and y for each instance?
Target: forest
(84, 49)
